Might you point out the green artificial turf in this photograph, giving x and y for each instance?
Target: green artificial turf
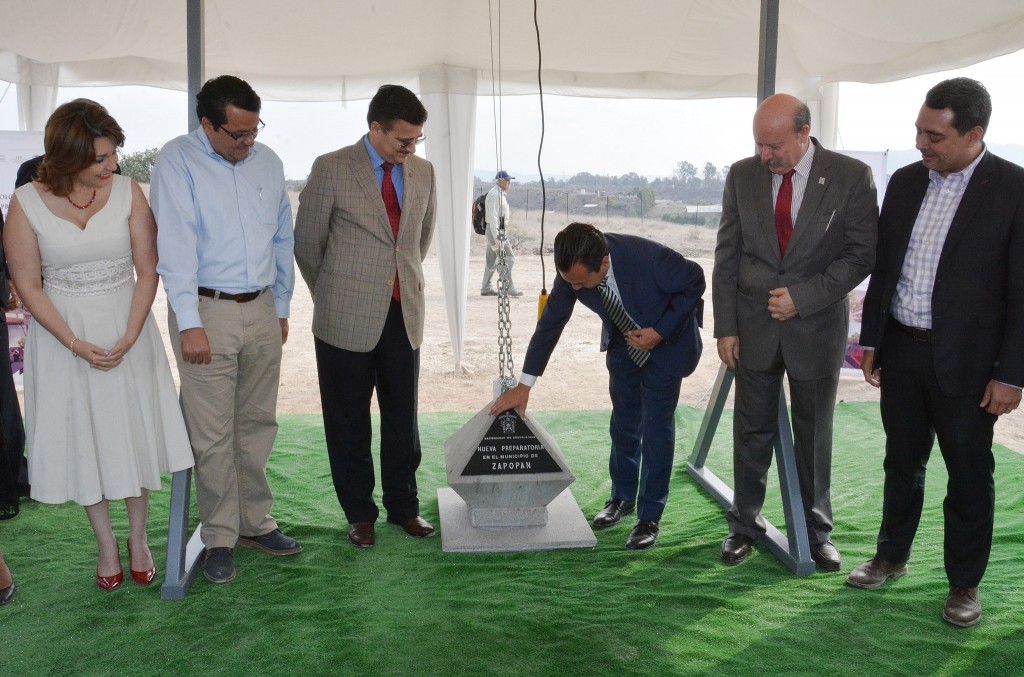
(407, 608)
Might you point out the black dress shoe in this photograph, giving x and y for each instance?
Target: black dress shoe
(275, 543)
(613, 512)
(826, 556)
(643, 536)
(9, 510)
(219, 566)
(735, 548)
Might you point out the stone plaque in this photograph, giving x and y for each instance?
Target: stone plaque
(510, 448)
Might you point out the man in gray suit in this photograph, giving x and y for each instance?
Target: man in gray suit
(363, 228)
(798, 232)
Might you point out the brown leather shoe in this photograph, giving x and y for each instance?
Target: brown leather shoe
(361, 534)
(417, 527)
(963, 607)
(874, 573)
(735, 548)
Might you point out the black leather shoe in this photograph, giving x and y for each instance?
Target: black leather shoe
(643, 536)
(826, 556)
(613, 512)
(219, 566)
(735, 548)
(275, 543)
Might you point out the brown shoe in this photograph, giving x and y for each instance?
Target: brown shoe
(417, 527)
(735, 548)
(874, 573)
(963, 607)
(361, 535)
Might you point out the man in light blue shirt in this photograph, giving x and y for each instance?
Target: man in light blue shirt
(225, 245)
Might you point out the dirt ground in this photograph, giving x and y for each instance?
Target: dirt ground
(576, 378)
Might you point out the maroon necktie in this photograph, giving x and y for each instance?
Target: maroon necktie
(784, 211)
(390, 195)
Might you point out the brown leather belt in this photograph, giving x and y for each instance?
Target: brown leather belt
(237, 298)
(916, 333)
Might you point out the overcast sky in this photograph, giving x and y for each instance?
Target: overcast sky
(600, 136)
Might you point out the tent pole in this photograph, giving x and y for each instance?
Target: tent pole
(185, 553)
(195, 30)
(768, 52)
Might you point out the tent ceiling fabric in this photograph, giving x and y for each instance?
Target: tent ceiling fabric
(329, 50)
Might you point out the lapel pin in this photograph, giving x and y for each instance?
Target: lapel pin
(821, 180)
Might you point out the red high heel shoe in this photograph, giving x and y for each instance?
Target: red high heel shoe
(140, 577)
(109, 583)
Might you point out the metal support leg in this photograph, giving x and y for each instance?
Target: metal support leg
(794, 551)
(183, 553)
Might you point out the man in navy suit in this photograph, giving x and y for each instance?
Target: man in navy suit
(942, 331)
(649, 300)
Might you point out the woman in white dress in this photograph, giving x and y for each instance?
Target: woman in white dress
(101, 412)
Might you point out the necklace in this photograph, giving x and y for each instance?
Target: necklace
(82, 208)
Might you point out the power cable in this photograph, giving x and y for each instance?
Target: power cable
(540, 149)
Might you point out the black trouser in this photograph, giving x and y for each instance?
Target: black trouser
(13, 468)
(347, 382)
(914, 413)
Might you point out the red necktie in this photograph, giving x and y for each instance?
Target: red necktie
(784, 211)
(390, 195)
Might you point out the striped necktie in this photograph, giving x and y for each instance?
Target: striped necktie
(613, 304)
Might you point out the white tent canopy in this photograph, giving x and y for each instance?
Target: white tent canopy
(321, 50)
(325, 50)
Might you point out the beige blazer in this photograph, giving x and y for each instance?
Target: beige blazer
(347, 254)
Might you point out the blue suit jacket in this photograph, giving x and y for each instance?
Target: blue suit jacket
(659, 287)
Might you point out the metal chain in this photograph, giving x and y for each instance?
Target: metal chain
(506, 367)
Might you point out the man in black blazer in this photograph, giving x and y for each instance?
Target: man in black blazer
(649, 300)
(787, 257)
(943, 327)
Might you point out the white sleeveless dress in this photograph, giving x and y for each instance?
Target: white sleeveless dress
(92, 434)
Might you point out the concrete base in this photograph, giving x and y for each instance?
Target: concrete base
(509, 517)
(566, 528)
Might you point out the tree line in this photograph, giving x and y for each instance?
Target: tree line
(687, 184)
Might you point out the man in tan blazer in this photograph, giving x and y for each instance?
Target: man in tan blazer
(364, 224)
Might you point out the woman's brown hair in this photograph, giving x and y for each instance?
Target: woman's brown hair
(68, 142)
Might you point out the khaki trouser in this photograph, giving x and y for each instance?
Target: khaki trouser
(230, 408)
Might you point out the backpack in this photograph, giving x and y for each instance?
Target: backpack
(479, 213)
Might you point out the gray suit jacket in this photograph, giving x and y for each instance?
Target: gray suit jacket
(347, 254)
(832, 249)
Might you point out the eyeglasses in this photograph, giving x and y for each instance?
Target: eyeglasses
(405, 143)
(238, 136)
